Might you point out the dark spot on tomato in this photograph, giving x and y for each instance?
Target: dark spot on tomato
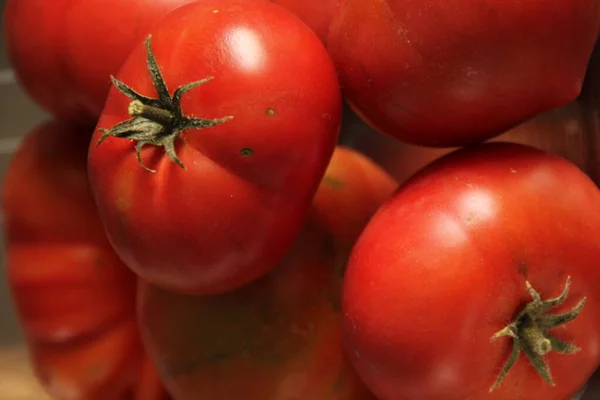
(522, 268)
(271, 111)
(246, 152)
(333, 182)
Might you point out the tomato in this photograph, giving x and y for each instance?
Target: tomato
(63, 55)
(317, 14)
(278, 338)
(561, 131)
(101, 368)
(246, 131)
(74, 298)
(445, 264)
(448, 73)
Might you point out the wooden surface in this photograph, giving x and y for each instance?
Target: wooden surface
(16, 377)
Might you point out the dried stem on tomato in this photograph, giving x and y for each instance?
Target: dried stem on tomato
(159, 121)
(530, 333)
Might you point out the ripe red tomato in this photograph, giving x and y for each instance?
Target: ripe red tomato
(561, 131)
(278, 338)
(317, 14)
(450, 73)
(74, 298)
(246, 131)
(63, 55)
(444, 264)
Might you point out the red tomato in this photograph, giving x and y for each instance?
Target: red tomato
(73, 296)
(243, 153)
(561, 131)
(444, 264)
(278, 338)
(103, 367)
(316, 14)
(63, 55)
(450, 72)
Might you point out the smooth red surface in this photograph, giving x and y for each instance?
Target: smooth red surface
(73, 296)
(317, 14)
(454, 72)
(278, 338)
(64, 276)
(63, 54)
(442, 266)
(228, 218)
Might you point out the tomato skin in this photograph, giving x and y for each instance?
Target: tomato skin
(74, 298)
(442, 266)
(227, 218)
(102, 368)
(50, 215)
(450, 73)
(278, 338)
(63, 55)
(53, 298)
(317, 14)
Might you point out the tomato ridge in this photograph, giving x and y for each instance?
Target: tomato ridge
(158, 122)
(530, 333)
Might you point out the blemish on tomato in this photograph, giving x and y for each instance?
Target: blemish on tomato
(271, 111)
(246, 152)
(333, 182)
(522, 268)
(470, 219)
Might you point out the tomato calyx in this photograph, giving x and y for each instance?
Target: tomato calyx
(159, 121)
(530, 333)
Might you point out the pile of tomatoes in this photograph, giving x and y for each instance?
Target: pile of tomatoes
(188, 226)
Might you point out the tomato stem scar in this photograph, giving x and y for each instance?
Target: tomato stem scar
(139, 109)
(157, 121)
(530, 333)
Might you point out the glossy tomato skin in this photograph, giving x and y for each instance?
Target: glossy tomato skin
(317, 14)
(227, 218)
(60, 264)
(278, 338)
(74, 298)
(64, 55)
(442, 267)
(450, 73)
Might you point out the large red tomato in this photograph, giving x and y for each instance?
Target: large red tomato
(73, 296)
(450, 72)
(453, 279)
(240, 122)
(278, 338)
(63, 53)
